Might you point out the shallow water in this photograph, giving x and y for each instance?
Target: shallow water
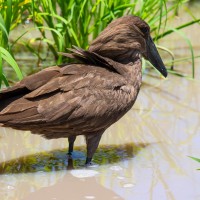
(143, 156)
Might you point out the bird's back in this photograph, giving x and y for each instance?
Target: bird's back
(62, 101)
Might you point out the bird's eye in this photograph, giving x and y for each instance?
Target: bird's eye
(144, 30)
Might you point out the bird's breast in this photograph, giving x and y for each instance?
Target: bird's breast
(128, 94)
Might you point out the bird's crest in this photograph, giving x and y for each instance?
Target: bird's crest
(91, 58)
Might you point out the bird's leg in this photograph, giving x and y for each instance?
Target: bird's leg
(92, 141)
(71, 140)
(70, 165)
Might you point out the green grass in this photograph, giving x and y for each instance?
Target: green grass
(196, 159)
(78, 22)
(10, 17)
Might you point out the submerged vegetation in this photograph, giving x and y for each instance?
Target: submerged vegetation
(57, 160)
(62, 24)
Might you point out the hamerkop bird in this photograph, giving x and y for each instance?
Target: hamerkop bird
(84, 98)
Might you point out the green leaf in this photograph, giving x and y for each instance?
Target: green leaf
(5, 80)
(196, 159)
(8, 15)
(1, 69)
(10, 60)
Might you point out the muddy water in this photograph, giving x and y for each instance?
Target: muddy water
(143, 156)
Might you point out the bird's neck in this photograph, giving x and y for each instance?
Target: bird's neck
(134, 73)
(119, 53)
(131, 71)
(130, 67)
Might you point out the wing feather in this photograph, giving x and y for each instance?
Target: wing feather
(63, 101)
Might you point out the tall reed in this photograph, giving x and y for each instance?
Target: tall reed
(77, 22)
(10, 16)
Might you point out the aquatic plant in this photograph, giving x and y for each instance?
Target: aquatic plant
(196, 159)
(78, 22)
(11, 13)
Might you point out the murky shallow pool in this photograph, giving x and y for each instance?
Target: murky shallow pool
(143, 156)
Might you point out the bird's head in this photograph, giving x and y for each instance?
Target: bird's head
(127, 39)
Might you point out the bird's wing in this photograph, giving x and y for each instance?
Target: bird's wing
(77, 93)
(30, 83)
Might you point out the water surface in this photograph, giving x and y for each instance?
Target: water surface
(143, 156)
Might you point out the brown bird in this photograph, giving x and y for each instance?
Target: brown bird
(84, 98)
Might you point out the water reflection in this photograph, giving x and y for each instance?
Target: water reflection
(57, 160)
(75, 188)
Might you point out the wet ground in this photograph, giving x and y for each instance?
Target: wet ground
(143, 156)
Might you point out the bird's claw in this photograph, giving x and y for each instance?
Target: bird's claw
(91, 165)
(69, 155)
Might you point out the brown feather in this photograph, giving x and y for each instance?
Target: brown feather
(81, 98)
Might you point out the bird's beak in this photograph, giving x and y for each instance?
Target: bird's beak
(154, 57)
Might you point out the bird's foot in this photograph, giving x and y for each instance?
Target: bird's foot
(89, 163)
(69, 155)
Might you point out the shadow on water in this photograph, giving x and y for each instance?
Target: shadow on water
(57, 160)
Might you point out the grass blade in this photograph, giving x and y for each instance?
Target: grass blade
(9, 59)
